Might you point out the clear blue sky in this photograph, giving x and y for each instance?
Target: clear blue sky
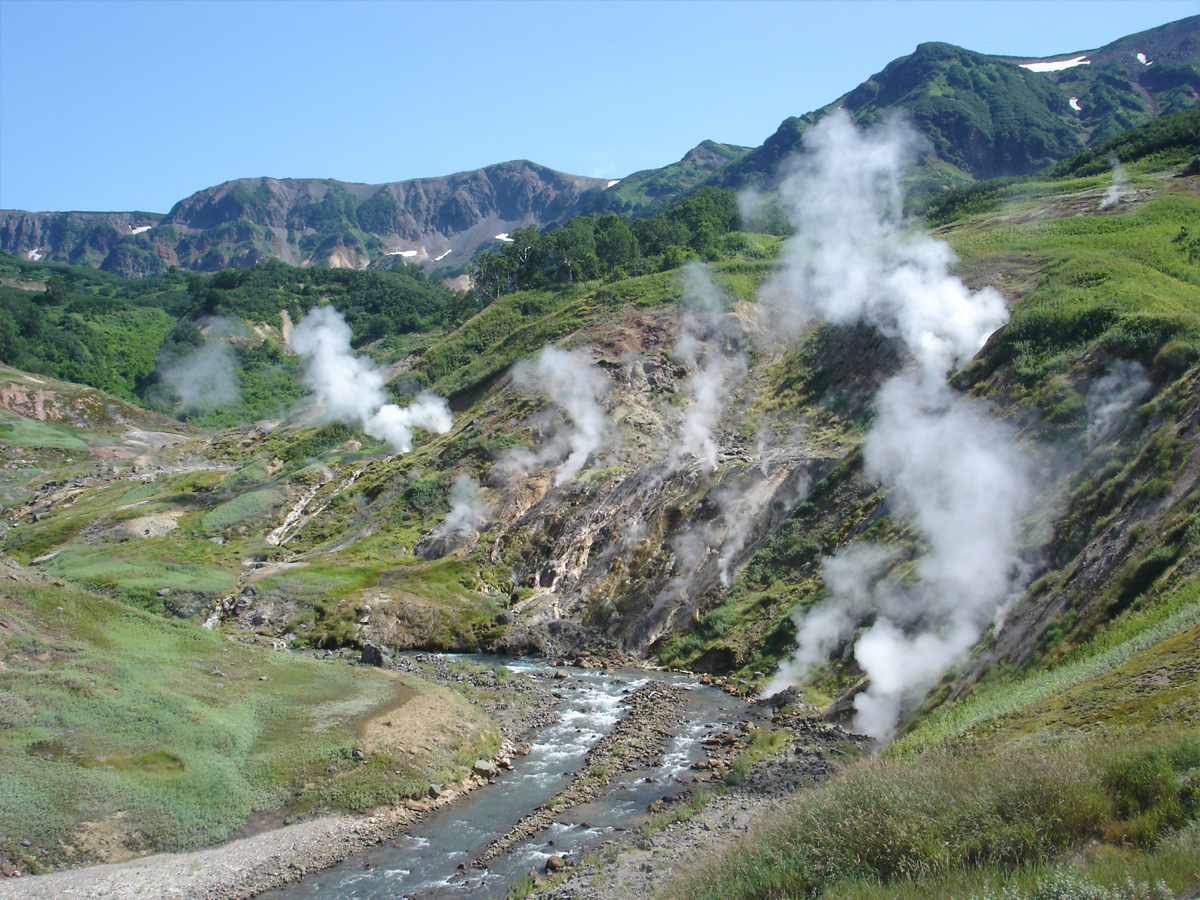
(135, 105)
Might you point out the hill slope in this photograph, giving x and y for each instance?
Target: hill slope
(950, 497)
(990, 116)
(984, 116)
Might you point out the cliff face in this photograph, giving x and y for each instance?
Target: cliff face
(308, 222)
(80, 238)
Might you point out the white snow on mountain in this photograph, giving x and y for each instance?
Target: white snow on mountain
(1057, 65)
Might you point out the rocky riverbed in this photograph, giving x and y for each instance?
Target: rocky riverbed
(636, 742)
(634, 866)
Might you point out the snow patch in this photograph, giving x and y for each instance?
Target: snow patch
(140, 230)
(35, 254)
(1141, 57)
(1075, 104)
(504, 237)
(407, 254)
(443, 256)
(611, 183)
(1057, 65)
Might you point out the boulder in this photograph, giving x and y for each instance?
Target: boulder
(555, 863)
(485, 768)
(373, 656)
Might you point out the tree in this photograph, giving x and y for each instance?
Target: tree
(491, 275)
(56, 289)
(616, 247)
(572, 251)
(527, 251)
(712, 205)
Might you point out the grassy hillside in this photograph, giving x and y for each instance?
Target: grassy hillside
(320, 536)
(130, 733)
(1062, 759)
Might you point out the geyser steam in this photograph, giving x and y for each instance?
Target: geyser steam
(1119, 178)
(711, 341)
(575, 385)
(205, 378)
(350, 388)
(953, 470)
(468, 508)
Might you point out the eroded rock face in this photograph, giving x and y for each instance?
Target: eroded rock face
(252, 220)
(630, 560)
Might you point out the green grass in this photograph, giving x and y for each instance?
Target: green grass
(245, 509)
(139, 567)
(1136, 633)
(33, 434)
(124, 720)
(940, 821)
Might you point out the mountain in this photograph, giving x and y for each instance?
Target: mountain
(97, 239)
(646, 191)
(984, 117)
(990, 116)
(309, 222)
(669, 466)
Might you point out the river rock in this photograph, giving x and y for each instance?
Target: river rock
(555, 864)
(373, 656)
(485, 768)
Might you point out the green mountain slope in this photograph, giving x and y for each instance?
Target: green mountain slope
(594, 490)
(988, 116)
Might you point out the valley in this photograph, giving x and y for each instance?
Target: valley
(867, 536)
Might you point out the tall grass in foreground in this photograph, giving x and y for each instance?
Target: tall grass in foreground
(939, 825)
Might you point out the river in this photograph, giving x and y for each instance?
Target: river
(433, 860)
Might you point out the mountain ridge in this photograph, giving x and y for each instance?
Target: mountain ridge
(984, 115)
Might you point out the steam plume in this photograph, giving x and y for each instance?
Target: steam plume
(855, 258)
(1111, 395)
(713, 342)
(575, 385)
(953, 470)
(204, 379)
(350, 388)
(1119, 178)
(468, 508)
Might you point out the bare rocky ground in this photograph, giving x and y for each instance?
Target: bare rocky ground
(638, 864)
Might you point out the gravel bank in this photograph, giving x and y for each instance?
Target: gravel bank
(643, 860)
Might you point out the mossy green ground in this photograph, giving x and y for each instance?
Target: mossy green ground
(129, 733)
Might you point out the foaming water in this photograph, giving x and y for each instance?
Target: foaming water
(424, 863)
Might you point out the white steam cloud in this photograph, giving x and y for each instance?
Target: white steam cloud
(350, 388)
(468, 508)
(1109, 396)
(855, 258)
(953, 470)
(712, 342)
(1119, 179)
(575, 385)
(206, 378)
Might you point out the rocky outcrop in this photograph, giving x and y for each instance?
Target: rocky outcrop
(80, 238)
(304, 221)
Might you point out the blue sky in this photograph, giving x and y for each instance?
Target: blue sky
(135, 105)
